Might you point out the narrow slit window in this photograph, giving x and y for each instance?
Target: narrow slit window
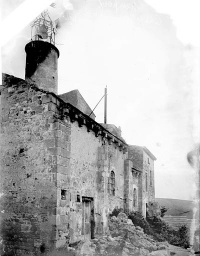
(112, 183)
(78, 198)
(63, 194)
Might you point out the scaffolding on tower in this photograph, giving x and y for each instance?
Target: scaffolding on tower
(43, 28)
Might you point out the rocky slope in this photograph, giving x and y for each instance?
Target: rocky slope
(124, 239)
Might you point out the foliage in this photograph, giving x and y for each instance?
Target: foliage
(157, 228)
(163, 210)
(139, 220)
(165, 232)
(184, 236)
(116, 211)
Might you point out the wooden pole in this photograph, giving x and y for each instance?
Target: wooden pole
(105, 106)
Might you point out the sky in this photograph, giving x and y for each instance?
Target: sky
(145, 52)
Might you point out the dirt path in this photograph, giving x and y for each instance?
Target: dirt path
(178, 251)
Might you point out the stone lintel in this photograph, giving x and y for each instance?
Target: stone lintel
(135, 171)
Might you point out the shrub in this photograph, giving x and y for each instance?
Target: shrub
(116, 211)
(176, 237)
(157, 228)
(184, 236)
(139, 220)
(163, 210)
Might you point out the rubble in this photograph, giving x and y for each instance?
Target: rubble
(124, 239)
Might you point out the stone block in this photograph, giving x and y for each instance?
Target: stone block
(62, 169)
(62, 161)
(50, 143)
(64, 219)
(52, 107)
(46, 98)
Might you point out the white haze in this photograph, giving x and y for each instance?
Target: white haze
(151, 77)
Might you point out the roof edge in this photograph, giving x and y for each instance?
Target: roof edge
(65, 105)
(149, 153)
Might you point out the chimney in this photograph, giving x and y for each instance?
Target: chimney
(41, 65)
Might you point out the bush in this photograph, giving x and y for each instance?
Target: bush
(139, 220)
(175, 237)
(157, 228)
(116, 211)
(184, 236)
(163, 210)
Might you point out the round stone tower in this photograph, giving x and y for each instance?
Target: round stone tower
(41, 65)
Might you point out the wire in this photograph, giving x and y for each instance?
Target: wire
(97, 105)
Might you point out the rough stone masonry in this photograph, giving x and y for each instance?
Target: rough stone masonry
(62, 173)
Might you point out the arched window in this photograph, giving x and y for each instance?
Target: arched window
(134, 197)
(111, 184)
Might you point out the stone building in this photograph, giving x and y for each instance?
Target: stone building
(142, 161)
(62, 173)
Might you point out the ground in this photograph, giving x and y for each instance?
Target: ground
(178, 251)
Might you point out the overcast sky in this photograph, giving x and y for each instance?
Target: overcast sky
(146, 52)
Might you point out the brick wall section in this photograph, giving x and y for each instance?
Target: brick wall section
(28, 169)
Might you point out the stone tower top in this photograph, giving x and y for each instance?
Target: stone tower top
(41, 65)
(42, 55)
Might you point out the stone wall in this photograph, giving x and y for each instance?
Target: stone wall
(62, 128)
(132, 181)
(148, 164)
(144, 163)
(42, 65)
(91, 161)
(135, 154)
(52, 157)
(148, 191)
(127, 184)
(28, 169)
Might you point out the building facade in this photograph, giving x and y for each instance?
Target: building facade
(62, 173)
(143, 167)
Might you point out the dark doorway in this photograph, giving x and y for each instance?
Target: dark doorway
(88, 223)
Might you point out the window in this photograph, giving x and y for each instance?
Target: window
(78, 199)
(134, 197)
(63, 194)
(111, 184)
